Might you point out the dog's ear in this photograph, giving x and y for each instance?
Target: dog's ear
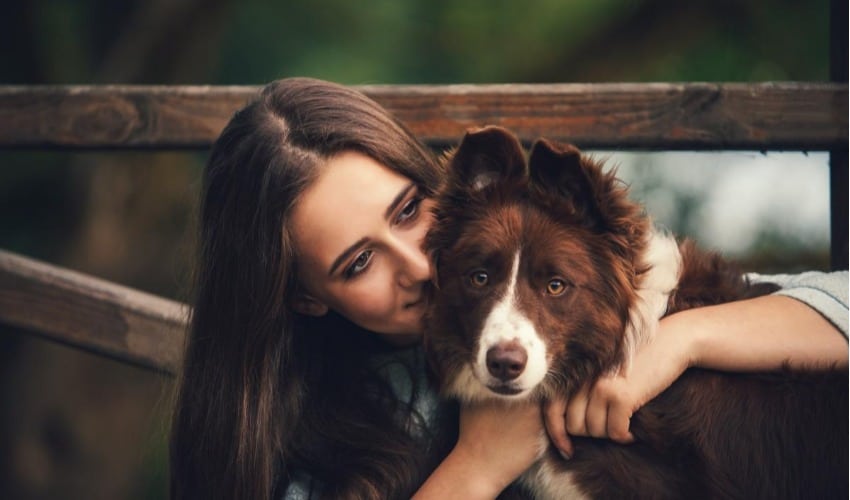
(488, 155)
(559, 169)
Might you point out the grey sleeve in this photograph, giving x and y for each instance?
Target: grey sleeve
(826, 293)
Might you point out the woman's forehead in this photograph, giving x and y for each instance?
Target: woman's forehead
(347, 202)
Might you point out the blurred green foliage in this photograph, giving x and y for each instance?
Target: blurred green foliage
(419, 41)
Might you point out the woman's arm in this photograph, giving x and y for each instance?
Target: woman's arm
(756, 334)
(827, 293)
(496, 444)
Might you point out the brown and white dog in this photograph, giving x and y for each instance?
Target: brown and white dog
(548, 276)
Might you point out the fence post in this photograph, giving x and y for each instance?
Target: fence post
(838, 161)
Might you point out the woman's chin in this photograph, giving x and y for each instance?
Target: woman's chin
(402, 339)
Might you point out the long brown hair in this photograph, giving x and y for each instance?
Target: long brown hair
(265, 391)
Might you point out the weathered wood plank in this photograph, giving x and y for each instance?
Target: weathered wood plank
(116, 116)
(91, 313)
(657, 115)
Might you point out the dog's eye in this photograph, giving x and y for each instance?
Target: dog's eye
(479, 278)
(556, 287)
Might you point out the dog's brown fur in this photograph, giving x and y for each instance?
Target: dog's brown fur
(710, 435)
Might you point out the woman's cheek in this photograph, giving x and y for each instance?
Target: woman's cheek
(371, 300)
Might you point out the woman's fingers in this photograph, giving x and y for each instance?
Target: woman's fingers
(596, 415)
(601, 411)
(555, 420)
(577, 413)
(619, 418)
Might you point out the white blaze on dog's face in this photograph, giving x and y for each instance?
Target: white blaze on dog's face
(511, 287)
(511, 358)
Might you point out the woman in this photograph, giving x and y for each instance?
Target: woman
(302, 371)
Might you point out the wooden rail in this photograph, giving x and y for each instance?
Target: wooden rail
(761, 116)
(91, 313)
(146, 330)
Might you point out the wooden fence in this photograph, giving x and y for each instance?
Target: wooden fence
(139, 328)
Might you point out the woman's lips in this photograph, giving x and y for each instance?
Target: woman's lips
(416, 303)
(421, 300)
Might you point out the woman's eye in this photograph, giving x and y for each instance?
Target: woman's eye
(556, 287)
(479, 278)
(359, 264)
(410, 210)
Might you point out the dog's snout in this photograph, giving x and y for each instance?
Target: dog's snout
(506, 360)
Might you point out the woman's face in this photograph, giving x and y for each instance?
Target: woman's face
(358, 230)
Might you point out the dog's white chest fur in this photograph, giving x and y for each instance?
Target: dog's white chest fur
(545, 482)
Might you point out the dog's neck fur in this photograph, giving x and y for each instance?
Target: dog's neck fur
(662, 261)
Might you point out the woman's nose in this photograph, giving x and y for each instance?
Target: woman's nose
(415, 265)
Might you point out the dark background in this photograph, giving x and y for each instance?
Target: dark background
(73, 425)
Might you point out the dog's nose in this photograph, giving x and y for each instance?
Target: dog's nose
(506, 360)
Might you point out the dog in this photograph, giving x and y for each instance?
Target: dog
(548, 276)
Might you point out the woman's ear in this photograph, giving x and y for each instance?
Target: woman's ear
(309, 305)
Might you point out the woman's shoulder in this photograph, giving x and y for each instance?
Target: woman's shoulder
(406, 372)
(420, 409)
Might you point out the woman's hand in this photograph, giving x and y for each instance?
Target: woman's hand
(758, 334)
(508, 438)
(497, 442)
(603, 409)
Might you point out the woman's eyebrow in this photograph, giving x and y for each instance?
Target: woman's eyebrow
(397, 200)
(345, 255)
(387, 214)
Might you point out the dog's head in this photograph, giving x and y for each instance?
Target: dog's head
(536, 270)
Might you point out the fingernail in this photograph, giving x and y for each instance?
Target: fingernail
(564, 455)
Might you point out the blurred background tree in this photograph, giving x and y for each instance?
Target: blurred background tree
(76, 426)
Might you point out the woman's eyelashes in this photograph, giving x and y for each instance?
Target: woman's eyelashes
(359, 264)
(408, 213)
(410, 210)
